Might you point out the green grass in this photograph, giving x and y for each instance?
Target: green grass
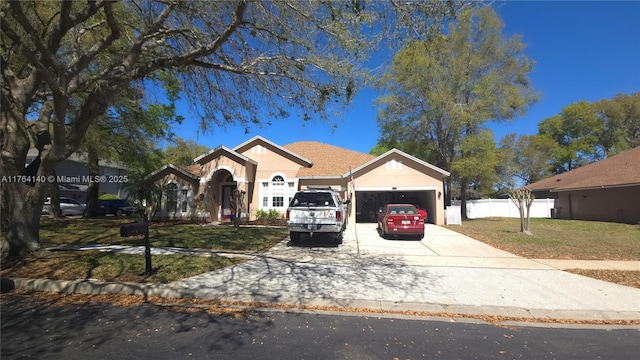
(192, 236)
(104, 266)
(118, 267)
(557, 239)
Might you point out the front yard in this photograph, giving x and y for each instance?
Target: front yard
(563, 239)
(119, 267)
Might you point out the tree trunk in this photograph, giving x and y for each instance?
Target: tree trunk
(54, 192)
(22, 204)
(93, 188)
(463, 198)
(521, 210)
(23, 189)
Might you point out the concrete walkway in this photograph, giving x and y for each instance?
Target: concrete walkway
(446, 272)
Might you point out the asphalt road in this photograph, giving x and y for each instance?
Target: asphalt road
(36, 330)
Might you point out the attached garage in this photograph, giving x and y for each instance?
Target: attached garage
(369, 201)
(396, 177)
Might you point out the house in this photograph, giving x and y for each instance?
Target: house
(72, 175)
(607, 190)
(267, 175)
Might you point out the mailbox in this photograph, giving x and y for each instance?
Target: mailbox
(134, 229)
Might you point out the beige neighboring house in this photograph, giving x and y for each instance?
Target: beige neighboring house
(268, 175)
(607, 190)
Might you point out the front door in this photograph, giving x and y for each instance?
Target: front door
(227, 191)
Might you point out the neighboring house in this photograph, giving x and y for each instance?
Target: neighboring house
(268, 175)
(607, 190)
(73, 176)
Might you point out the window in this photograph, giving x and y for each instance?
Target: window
(172, 197)
(278, 201)
(185, 193)
(277, 191)
(277, 180)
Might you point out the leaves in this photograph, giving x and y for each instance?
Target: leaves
(440, 92)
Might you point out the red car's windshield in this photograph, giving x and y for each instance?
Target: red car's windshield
(401, 210)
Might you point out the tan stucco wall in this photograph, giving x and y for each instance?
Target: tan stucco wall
(271, 162)
(387, 173)
(612, 204)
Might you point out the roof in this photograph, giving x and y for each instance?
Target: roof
(402, 153)
(259, 138)
(619, 170)
(222, 150)
(191, 172)
(81, 158)
(328, 160)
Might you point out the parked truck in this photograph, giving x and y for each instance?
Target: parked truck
(316, 211)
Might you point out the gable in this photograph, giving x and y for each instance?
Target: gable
(188, 173)
(258, 146)
(396, 169)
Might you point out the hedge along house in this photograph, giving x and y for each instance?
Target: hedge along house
(607, 190)
(265, 176)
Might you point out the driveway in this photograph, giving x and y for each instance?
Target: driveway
(445, 272)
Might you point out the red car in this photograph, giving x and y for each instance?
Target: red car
(400, 219)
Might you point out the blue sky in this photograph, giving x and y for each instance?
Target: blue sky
(583, 51)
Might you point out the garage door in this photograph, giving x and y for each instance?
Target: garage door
(369, 202)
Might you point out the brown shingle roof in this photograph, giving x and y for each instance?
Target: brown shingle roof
(192, 169)
(328, 160)
(619, 170)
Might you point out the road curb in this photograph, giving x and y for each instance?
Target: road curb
(165, 291)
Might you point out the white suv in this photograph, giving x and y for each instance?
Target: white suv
(316, 211)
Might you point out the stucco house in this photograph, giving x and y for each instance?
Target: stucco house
(268, 175)
(607, 190)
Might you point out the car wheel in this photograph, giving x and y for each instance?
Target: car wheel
(295, 237)
(119, 212)
(383, 233)
(338, 237)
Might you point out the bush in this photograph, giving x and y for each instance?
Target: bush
(272, 214)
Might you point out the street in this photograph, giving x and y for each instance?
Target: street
(36, 329)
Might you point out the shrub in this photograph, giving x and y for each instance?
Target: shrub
(272, 214)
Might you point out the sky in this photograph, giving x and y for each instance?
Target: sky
(583, 50)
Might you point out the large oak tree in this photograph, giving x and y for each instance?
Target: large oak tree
(442, 90)
(63, 64)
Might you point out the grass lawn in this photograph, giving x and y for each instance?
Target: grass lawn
(104, 266)
(184, 235)
(557, 239)
(563, 239)
(117, 267)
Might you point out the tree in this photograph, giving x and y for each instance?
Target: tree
(64, 63)
(621, 118)
(585, 132)
(445, 88)
(478, 163)
(523, 199)
(182, 152)
(127, 133)
(575, 132)
(524, 160)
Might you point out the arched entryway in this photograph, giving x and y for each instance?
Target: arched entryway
(219, 191)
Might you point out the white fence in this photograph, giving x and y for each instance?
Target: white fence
(541, 208)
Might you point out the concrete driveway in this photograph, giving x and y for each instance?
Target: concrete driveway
(445, 272)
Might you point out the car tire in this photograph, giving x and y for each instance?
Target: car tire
(382, 233)
(119, 212)
(339, 237)
(295, 237)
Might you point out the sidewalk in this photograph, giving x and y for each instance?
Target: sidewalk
(445, 273)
